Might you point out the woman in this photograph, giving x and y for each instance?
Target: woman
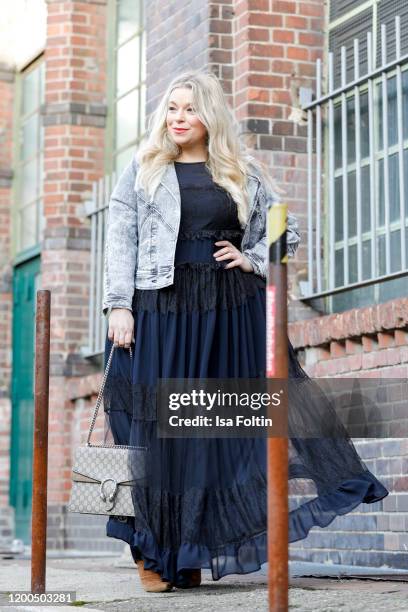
(185, 274)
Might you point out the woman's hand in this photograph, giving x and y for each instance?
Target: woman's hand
(231, 252)
(121, 326)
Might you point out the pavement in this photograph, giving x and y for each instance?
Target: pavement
(102, 582)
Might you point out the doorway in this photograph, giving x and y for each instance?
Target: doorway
(26, 281)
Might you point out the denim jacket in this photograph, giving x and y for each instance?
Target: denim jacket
(142, 233)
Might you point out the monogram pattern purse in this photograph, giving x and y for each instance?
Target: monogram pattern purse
(103, 475)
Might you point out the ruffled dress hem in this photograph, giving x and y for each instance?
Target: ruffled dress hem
(248, 555)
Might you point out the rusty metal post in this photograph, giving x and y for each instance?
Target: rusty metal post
(277, 447)
(40, 452)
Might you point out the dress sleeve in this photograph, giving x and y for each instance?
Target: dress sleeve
(121, 243)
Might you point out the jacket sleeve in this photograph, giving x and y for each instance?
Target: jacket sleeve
(121, 243)
(258, 254)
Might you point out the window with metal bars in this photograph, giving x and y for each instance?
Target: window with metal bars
(364, 234)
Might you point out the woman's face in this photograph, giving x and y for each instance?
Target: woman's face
(181, 114)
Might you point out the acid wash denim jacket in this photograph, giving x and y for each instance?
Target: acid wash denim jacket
(142, 233)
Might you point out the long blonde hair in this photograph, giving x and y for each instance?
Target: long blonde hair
(229, 162)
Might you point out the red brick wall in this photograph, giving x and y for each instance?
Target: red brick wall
(75, 89)
(370, 341)
(276, 45)
(177, 40)
(221, 40)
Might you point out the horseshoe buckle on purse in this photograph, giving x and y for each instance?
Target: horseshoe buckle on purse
(111, 496)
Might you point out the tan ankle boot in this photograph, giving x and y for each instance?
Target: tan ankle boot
(151, 581)
(193, 580)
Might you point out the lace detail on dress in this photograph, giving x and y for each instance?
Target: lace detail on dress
(137, 400)
(216, 234)
(200, 286)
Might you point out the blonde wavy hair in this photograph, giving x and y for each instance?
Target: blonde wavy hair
(229, 161)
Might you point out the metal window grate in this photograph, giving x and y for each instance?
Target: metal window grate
(387, 9)
(97, 210)
(358, 228)
(344, 35)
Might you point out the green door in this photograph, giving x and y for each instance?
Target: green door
(26, 281)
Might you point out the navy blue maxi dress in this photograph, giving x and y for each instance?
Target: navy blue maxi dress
(204, 503)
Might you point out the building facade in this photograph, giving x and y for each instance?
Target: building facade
(73, 109)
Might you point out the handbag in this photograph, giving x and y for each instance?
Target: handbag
(103, 474)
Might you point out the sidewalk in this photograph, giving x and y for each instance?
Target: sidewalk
(111, 583)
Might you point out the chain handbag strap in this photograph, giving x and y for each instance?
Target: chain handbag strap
(98, 402)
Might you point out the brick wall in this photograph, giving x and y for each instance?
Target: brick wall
(6, 302)
(177, 39)
(370, 341)
(366, 342)
(6, 527)
(276, 45)
(373, 535)
(221, 45)
(74, 119)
